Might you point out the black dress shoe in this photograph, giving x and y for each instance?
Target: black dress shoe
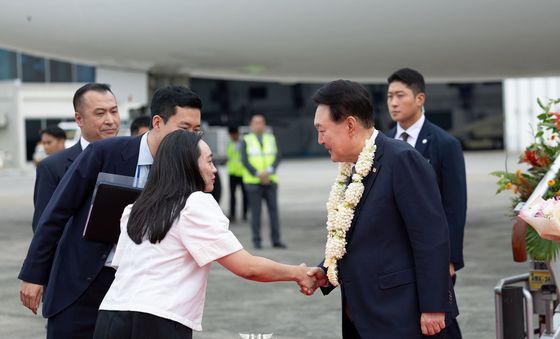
(279, 245)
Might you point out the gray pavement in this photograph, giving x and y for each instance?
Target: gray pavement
(236, 306)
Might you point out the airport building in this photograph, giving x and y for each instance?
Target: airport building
(483, 77)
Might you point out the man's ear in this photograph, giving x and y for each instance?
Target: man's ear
(351, 123)
(157, 122)
(79, 119)
(420, 99)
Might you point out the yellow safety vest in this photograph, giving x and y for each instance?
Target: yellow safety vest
(261, 157)
(234, 164)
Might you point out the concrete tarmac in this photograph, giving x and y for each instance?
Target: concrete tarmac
(235, 306)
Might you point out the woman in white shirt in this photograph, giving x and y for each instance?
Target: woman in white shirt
(168, 240)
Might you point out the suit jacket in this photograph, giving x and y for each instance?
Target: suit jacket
(49, 173)
(397, 261)
(68, 269)
(445, 155)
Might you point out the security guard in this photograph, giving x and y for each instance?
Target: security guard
(235, 171)
(260, 157)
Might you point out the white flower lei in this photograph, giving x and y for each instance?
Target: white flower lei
(341, 204)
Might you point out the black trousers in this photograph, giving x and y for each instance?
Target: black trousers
(77, 321)
(235, 181)
(138, 325)
(257, 193)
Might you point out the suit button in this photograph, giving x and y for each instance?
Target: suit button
(450, 298)
(104, 256)
(89, 278)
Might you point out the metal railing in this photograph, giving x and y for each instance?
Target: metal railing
(528, 304)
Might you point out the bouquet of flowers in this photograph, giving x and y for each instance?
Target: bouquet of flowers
(544, 217)
(538, 156)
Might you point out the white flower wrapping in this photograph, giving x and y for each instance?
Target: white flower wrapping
(340, 207)
(544, 217)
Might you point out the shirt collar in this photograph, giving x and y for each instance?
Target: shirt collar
(144, 155)
(413, 131)
(84, 143)
(374, 135)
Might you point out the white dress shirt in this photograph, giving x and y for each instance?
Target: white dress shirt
(413, 131)
(84, 143)
(145, 161)
(168, 279)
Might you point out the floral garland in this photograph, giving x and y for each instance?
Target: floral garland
(341, 204)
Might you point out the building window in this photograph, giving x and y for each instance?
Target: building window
(8, 65)
(60, 71)
(85, 73)
(33, 68)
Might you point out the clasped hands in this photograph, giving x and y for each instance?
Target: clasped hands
(265, 178)
(311, 278)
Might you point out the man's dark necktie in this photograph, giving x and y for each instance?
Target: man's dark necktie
(404, 136)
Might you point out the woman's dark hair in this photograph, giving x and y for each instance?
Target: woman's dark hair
(346, 98)
(173, 177)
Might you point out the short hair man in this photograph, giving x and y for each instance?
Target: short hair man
(52, 139)
(260, 157)
(388, 245)
(405, 99)
(76, 273)
(235, 171)
(140, 125)
(97, 115)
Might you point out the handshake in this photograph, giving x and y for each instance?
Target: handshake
(310, 278)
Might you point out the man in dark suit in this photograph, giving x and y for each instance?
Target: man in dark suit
(76, 273)
(97, 115)
(393, 269)
(405, 100)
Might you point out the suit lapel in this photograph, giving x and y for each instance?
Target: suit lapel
(129, 157)
(73, 153)
(369, 180)
(392, 132)
(424, 139)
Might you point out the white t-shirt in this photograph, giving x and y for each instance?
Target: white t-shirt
(168, 279)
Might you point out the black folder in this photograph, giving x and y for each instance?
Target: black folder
(112, 194)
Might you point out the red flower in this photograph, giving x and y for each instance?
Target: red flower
(530, 157)
(534, 159)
